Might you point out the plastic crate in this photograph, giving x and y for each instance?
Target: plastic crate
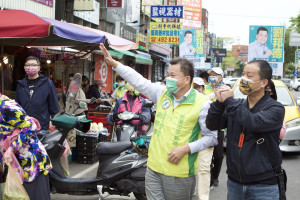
(86, 139)
(87, 159)
(142, 140)
(86, 149)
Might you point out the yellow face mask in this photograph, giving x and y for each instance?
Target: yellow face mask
(245, 86)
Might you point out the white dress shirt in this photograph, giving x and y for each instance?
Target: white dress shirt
(154, 91)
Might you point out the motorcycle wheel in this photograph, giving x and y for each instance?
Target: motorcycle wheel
(139, 196)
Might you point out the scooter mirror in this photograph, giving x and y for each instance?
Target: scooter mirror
(83, 125)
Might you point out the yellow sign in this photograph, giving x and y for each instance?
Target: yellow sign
(165, 32)
(142, 41)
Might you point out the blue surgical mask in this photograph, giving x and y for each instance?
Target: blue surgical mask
(121, 84)
(199, 90)
(213, 79)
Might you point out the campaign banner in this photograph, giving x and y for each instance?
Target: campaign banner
(167, 12)
(191, 46)
(192, 17)
(267, 43)
(165, 32)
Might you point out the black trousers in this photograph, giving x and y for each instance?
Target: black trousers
(39, 189)
(218, 156)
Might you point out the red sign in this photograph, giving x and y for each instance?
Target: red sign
(114, 3)
(103, 72)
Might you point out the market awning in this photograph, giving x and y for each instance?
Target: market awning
(142, 60)
(119, 55)
(164, 59)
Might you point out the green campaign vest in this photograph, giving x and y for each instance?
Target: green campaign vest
(173, 128)
(121, 91)
(208, 90)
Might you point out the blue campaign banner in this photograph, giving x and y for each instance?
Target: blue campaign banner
(191, 46)
(167, 12)
(267, 43)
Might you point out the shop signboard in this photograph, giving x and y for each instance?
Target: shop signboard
(146, 7)
(167, 12)
(230, 68)
(191, 46)
(219, 52)
(142, 41)
(165, 32)
(45, 2)
(127, 32)
(192, 17)
(90, 16)
(103, 72)
(267, 43)
(160, 48)
(87, 5)
(114, 4)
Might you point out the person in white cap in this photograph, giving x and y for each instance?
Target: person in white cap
(204, 156)
(199, 84)
(216, 80)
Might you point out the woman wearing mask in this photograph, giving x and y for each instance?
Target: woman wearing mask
(18, 137)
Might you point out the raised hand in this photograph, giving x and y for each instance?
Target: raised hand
(108, 59)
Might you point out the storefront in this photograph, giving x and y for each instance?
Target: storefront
(159, 54)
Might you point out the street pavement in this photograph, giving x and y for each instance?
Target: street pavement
(291, 163)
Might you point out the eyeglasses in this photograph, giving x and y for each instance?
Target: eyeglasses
(31, 65)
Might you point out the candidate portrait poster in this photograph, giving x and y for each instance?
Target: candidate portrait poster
(191, 46)
(267, 43)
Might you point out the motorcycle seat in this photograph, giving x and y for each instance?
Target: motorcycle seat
(112, 148)
(51, 139)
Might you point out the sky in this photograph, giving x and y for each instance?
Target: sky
(232, 18)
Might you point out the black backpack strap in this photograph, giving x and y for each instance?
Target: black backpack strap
(279, 172)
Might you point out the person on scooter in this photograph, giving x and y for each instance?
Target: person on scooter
(133, 103)
(18, 139)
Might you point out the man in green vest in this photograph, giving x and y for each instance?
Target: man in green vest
(179, 129)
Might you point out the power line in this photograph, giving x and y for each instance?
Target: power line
(232, 15)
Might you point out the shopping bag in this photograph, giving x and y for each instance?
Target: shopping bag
(64, 158)
(13, 189)
(16, 165)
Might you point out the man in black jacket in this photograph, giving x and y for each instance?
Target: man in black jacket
(250, 174)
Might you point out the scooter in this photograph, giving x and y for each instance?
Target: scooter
(127, 129)
(121, 170)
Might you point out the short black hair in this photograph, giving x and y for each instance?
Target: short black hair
(273, 90)
(265, 70)
(204, 75)
(188, 32)
(119, 78)
(85, 78)
(71, 75)
(33, 58)
(186, 66)
(261, 29)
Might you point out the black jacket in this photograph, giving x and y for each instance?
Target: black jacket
(93, 92)
(248, 164)
(42, 104)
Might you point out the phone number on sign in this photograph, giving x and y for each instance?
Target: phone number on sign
(164, 39)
